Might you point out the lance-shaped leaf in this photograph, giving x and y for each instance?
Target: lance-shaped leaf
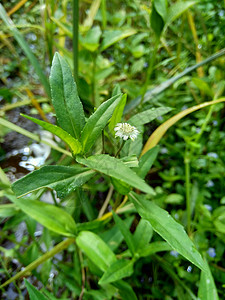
(117, 270)
(50, 216)
(128, 237)
(65, 99)
(146, 161)
(176, 10)
(98, 121)
(117, 114)
(143, 234)
(63, 179)
(148, 115)
(73, 143)
(115, 168)
(112, 37)
(207, 288)
(33, 292)
(168, 228)
(96, 249)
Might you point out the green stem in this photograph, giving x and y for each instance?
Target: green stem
(120, 148)
(104, 17)
(207, 119)
(61, 246)
(187, 188)
(106, 202)
(149, 70)
(75, 39)
(94, 100)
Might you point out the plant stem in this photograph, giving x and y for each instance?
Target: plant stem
(75, 39)
(83, 275)
(106, 202)
(61, 246)
(104, 17)
(187, 187)
(120, 148)
(149, 70)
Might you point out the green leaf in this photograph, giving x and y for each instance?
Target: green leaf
(125, 290)
(148, 115)
(161, 8)
(154, 248)
(33, 292)
(50, 216)
(203, 86)
(113, 167)
(112, 37)
(207, 288)
(91, 40)
(97, 122)
(117, 114)
(120, 186)
(116, 90)
(168, 228)
(23, 44)
(125, 232)
(146, 162)
(8, 210)
(176, 10)
(63, 179)
(157, 22)
(95, 249)
(73, 143)
(117, 270)
(65, 99)
(143, 234)
(113, 236)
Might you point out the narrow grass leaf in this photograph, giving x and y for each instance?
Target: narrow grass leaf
(148, 115)
(23, 44)
(63, 179)
(162, 129)
(151, 94)
(32, 136)
(50, 216)
(125, 232)
(117, 270)
(33, 292)
(207, 288)
(65, 99)
(115, 168)
(73, 143)
(168, 228)
(97, 122)
(8, 210)
(95, 249)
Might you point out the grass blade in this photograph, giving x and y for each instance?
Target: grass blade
(162, 129)
(23, 44)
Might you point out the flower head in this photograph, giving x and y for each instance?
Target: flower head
(125, 131)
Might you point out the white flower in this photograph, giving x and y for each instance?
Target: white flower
(125, 131)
